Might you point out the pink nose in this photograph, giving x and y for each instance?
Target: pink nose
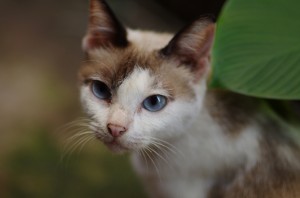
(116, 130)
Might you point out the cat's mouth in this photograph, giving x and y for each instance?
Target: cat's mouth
(116, 144)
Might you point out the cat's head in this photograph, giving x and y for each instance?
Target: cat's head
(142, 87)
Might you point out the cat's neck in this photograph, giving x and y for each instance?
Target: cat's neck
(221, 132)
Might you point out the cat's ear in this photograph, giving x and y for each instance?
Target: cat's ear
(192, 45)
(103, 29)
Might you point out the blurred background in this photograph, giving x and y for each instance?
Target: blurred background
(40, 52)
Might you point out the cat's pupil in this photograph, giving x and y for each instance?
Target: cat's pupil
(100, 90)
(153, 100)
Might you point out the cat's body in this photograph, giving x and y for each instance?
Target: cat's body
(231, 157)
(148, 96)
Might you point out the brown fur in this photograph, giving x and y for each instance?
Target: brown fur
(273, 176)
(270, 178)
(231, 110)
(266, 180)
(113, 65)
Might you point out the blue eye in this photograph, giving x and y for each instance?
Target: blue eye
(155, 103)
(100, 90)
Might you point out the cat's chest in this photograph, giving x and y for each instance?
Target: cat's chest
(162, 179)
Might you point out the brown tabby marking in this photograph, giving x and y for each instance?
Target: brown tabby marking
(232, 111)
(274, 176)
(117, 63)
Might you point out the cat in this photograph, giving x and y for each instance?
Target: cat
(146, 93)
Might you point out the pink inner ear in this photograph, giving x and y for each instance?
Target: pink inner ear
(208, 40)
(203, 61)
(96, 39)
(202, 53)
(203, 65)
(89, 43)
(104, 28)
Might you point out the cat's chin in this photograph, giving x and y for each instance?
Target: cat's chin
(116, 147)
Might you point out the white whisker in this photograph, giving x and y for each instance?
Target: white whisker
(166, 145)
(156, 168)
(164, 151)
(160, 156)
(81, 129)
(78, 135)
(141, 152)
(163, 141)
(85, 142)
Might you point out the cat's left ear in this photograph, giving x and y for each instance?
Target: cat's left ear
(104, 29)
(192, 46)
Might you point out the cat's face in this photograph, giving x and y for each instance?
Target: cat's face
(135, 87)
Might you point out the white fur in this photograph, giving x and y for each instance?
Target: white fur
(146, 40)
(197, 146)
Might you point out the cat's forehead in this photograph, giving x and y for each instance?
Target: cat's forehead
(138, 85)
(113, 65)
(147, 40)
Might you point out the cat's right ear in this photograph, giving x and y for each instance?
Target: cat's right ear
(192, 46)
(103, 29)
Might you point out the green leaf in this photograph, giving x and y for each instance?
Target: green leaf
(257, 48)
